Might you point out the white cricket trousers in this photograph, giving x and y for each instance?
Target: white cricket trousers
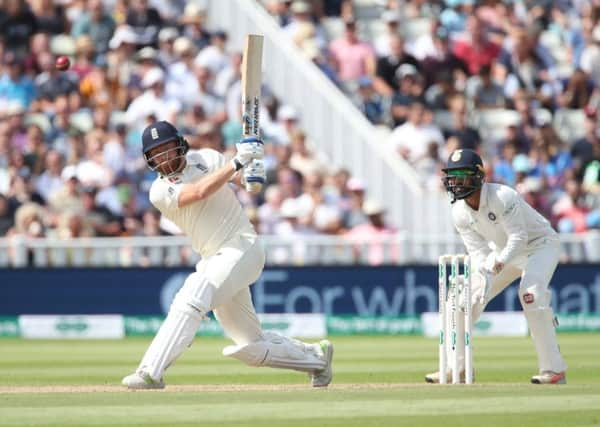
(535, 267)
(221, 284)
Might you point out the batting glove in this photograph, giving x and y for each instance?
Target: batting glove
(254, 172)
(248, 149)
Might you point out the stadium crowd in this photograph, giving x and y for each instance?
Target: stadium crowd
(70, 161)
(517, 80)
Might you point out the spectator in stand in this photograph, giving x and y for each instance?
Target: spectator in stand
(289, 181)
(557, 165)
(193, 20)
(454, 17)
(429, 167)
(15, 86)
(526, 124)
(29, 221)
(467, 136)
(302, 24)
(7, 215)
(182, 78)
(15, 114)
(504, 171)
(474, 47)
(386, 80)
(100, 218)
(314, 209)
(441, 57)
(373, 240)
(369, 102)
(590, 56)
(83, 63)
(523, 67)
(166, 41)
(153, 101)
(302, 159)
(280, 11)
(484, 91)
(204, 94)
(18, 24)
(145, 21)
(417, 8)
(95, 23)
(287, 121)
(411, 140)
(322, 60)
(586, 149)
(576, 92)
(121, 64)
(591, 178)
(268, 212)
(353, 57)
(383, 43)
(50, 16)
(573, 212)
(443, 89)
(214, 56)
(354, 215)
(408, 78)
(288, 224)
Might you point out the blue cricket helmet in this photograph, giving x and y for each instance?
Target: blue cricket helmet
(159, 133)
(464, 174)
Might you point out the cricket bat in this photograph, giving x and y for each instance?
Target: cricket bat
(251, 84)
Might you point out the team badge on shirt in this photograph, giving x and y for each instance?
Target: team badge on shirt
(528, 298)
(492, 216)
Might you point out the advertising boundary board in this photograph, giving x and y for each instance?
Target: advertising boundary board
(344, 290)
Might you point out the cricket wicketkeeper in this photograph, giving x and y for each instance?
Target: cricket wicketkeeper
(524, 245)
(191, 190)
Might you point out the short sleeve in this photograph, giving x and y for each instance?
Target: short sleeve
(213, 159)
(165, 195)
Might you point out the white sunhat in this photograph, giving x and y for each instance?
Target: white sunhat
(123, 34)
(152, 77)
(372, 207)
(287, 112)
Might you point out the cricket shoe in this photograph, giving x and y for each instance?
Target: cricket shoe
(322, 377)
(434, 377)
(550, 377)
(140, 380)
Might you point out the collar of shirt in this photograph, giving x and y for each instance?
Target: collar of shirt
(483, 200)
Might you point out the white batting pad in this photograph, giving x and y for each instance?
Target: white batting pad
(174, 336)
(277, 351)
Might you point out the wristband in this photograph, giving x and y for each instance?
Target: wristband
(237, 165)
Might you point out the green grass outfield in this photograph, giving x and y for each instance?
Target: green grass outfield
(377, 382)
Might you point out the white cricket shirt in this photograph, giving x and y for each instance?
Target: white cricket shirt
(504, 219)
(210, 222)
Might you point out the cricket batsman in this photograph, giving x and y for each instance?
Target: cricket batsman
(191, 190)
(506, 239)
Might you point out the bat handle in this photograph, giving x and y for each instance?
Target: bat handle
(253, 187)
(255, 176)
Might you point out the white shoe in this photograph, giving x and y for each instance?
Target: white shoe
(140, 380)
(550, 377)
(434, 377)
(323, 377)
